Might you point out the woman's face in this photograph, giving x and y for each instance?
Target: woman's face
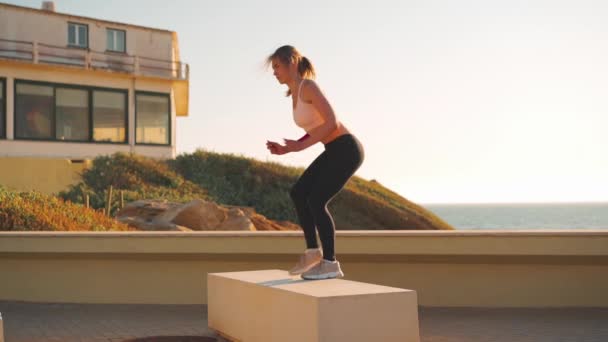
(281, 71)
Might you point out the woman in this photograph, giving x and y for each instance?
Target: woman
(327, 174)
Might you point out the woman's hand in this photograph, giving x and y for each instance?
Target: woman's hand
(276, 148)
(293, 145)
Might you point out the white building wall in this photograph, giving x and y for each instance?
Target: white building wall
(31, 25)
(52, 28)
(79, 150)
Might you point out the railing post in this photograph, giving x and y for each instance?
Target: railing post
(87, 59)
(35, 52)
(177, 70)
(187, 71)
(136, 68)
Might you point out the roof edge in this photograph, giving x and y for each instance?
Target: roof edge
(66, 15)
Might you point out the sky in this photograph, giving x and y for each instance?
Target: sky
(469, 101)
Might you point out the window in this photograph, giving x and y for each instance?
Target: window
(109, 116)
(152, 118)
(2, 109)
(62, 112)
(78, 35)
(34, 105)
(116, 40)
(72, 114)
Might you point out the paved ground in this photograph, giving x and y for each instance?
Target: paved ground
(36, 322)
(513, 325)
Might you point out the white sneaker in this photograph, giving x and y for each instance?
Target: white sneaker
(324, 270)
(307, 260)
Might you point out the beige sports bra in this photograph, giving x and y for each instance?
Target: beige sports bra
(305, 114)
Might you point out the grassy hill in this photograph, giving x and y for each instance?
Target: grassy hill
(235, 180)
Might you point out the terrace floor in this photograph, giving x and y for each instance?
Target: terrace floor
(34, 322)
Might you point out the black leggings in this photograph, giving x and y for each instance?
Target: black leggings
(319, 183)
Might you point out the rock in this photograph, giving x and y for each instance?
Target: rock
(182, 228)
(150, 226)
(194, 215)
(236, 218)
(199, 215)
(262, 223)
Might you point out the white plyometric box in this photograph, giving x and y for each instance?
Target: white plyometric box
(270, 305)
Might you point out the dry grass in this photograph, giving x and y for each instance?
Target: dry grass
(34, 211)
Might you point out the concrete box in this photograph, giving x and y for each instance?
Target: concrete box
(271, 305)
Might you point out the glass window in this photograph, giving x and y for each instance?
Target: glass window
(82, 35)
(152, 119)
(72, 34)
(109, 116)
(34, 106)
(2, 110)
(72, 114)
(116, 40)
(110, 39)
(120, 41)
(78, 35)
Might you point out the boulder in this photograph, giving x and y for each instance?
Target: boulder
(195, 215)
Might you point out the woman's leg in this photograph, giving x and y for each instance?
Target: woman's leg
(318, 200)
(299, 194)
(344, 158)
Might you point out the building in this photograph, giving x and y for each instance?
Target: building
(73, 88)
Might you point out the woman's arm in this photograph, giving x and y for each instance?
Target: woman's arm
(312, 93)
(304, 137)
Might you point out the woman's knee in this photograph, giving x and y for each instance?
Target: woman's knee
(316, 203)
(297, 193)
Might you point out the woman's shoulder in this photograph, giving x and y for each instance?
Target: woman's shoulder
(308, 82)
(310, 87)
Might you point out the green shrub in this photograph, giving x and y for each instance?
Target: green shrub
(236, 180)
(136, 177)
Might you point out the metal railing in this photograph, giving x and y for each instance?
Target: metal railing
(39, 53)
(15, 49)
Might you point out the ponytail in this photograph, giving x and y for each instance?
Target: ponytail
(305, 68)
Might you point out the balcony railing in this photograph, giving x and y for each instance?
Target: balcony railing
(39, 53)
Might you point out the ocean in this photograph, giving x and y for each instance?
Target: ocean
(523, 215)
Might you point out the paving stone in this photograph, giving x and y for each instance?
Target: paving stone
(44, 322)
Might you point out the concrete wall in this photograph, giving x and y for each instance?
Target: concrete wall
(457, 268)
(24, 173)
(30, 25)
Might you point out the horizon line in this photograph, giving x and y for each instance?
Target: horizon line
(523, 202)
